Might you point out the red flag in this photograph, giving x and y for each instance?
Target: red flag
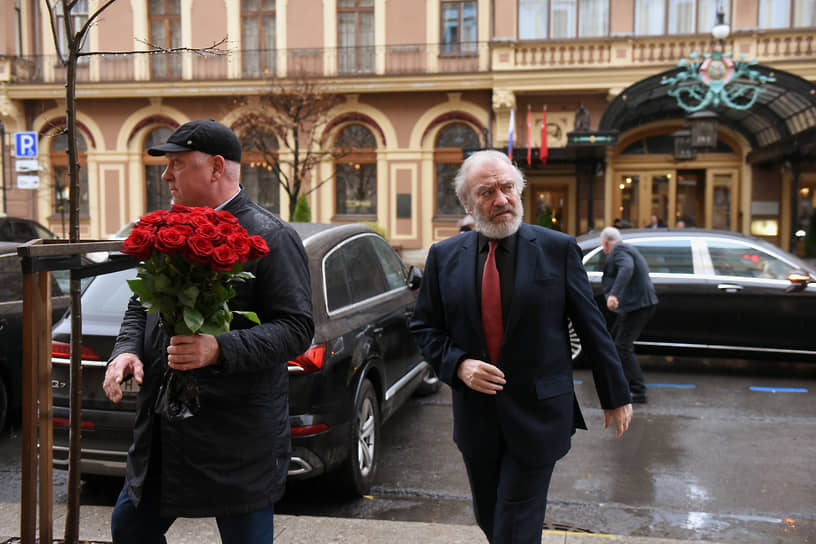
(543, 152)
(529, 136)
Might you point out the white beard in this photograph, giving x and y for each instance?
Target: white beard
(503, 230)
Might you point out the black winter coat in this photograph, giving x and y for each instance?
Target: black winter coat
(233, 456)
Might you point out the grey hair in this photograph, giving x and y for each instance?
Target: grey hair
(610, 234)
(477, 159)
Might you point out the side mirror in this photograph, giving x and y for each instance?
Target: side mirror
(799, 280)
(414, 277)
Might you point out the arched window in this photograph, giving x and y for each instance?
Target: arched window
(259, 175)
(356, 172)
(447, 158)
(157, 192)
(61, 183)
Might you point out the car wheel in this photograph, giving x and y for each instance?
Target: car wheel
(361, 465)
(3, 404)
(430, 384)
(575, 342)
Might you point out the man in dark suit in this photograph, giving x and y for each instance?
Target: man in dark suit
(630, 294)
(501, 341)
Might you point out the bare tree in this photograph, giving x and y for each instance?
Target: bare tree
(288, 128)
(60, 11)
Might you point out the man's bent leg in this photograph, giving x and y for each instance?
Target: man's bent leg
(521, 503)
(138, 525)
(254, 528)
(483, 475)
(625, 331)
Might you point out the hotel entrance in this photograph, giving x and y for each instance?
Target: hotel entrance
(704, 198)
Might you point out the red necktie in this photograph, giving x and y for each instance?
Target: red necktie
(491, 304)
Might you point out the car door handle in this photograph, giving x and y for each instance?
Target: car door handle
(374, 331)
(729, 287)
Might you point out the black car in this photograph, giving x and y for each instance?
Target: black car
(16, 229)
(11, 326)
(362, 366)
(721, 294)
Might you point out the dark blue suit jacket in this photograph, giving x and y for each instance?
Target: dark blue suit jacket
(536, 413)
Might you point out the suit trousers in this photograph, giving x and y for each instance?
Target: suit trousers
(625, 330)
(509, 498)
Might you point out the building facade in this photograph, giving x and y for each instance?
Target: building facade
(423, 83)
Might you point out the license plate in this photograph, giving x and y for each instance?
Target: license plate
(130, 386)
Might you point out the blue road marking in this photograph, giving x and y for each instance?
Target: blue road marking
(779, 389)
(577, 382)
(673, 385)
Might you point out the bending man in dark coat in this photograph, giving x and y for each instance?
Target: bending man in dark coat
(630, 294)
(230, 460)
(515, 408)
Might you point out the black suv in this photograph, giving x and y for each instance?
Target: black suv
(363, 363)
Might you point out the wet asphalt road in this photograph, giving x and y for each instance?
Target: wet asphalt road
(722, 452)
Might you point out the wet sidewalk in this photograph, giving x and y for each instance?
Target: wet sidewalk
(95, 526)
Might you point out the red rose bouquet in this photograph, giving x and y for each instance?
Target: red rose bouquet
(190, 259)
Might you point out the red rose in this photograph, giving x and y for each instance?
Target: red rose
(210, 232)
(257, 248)
(178, 208)
(223, 258)
(201, 217)
(198, 250)
(171, 240)
(239, 242)
(228, 229)
(226, 216)
(155, 218)
(139, 243)
(173, 218)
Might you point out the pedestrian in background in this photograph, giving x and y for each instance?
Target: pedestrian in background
(630, 294)
(229, 460)
(491, 317)
(465, 224)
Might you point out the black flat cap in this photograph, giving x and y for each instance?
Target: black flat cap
(207, 136)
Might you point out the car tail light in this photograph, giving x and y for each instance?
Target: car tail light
(311, 361)
(309, 430)
(64, 423)
(63, 350)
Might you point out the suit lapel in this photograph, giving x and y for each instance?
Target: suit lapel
(526, 257)
(465, 275)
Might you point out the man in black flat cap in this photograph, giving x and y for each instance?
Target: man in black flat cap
(230, 459)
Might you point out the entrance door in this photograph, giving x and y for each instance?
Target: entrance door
(551, 204)
(640, 195)
(721, 200)
(698, 198)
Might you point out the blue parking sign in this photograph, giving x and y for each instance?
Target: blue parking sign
(25, 144)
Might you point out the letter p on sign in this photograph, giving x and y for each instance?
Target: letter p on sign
(25, 145)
